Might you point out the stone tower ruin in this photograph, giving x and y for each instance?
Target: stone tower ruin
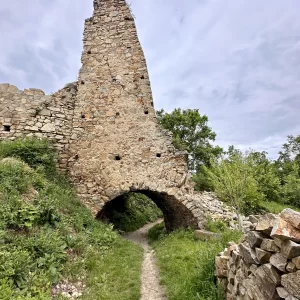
(104, 125)
(119, 146)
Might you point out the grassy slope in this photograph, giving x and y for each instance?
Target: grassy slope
(187, 265)
(46, 234)
(276, 208)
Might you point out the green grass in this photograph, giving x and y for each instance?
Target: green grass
(47, 235)
(115, 275)
(276, 208)
(187, 265)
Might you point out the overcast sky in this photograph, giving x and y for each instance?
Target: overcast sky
(237, 61)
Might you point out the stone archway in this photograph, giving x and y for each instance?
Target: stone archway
(176, 215)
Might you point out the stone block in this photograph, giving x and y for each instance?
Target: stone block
(296, 261)
(290, 249)
(12, 89)
(291, 282)
(263, 256)
(290, 297)
(291, 267)
(253, 219)
(291, 216)
(278, 261)
(48, 128)
(37, 91)
(255, 238)
(272, 273)
(247, 253)
(278, 242)
(282, 292)
(269, 245)
(235, 256)
(253, 268)
(221, 266)
(263, 290)
(267, 280)
(285, 231)
(265, 223)
(4, 87)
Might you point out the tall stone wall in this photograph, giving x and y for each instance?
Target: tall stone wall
(119, 144)
(266, 264)
(32, 113)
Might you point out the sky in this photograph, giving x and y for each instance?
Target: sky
(237, 61)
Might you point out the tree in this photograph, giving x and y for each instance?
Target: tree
(266, 175)
(288, 156)
(191, 133)
(291, 149)
(291, 187)
(233, 178)
(288, 170)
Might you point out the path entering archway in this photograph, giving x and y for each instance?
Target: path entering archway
(176, 215)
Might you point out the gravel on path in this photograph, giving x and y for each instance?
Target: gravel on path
(151, 288)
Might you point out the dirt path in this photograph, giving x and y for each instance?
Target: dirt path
(151, 289)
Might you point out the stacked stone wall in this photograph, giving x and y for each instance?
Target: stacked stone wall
(266, 264)
(32, 113)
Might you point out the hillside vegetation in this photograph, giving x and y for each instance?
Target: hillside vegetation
(47, 235)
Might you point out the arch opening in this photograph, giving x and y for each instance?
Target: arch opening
(175, 214)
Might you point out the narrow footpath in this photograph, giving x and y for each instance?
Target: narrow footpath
(151, 289)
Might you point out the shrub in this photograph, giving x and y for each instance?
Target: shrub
(216, 226)
(37, 153)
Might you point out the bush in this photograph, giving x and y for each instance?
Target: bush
(15, 264)
(216, 226)
(8, 292)
(37, 153)
(16, 178)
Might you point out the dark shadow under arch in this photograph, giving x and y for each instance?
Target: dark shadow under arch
(176, 214)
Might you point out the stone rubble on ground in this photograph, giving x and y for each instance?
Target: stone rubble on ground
(208, 205)
(71, 290)
(266, 265)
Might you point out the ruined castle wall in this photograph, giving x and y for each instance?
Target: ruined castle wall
(32, 113)
(119, 145)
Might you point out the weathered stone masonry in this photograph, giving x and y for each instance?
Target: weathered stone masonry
(31, 112)
(266, 264)
(104, 125)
